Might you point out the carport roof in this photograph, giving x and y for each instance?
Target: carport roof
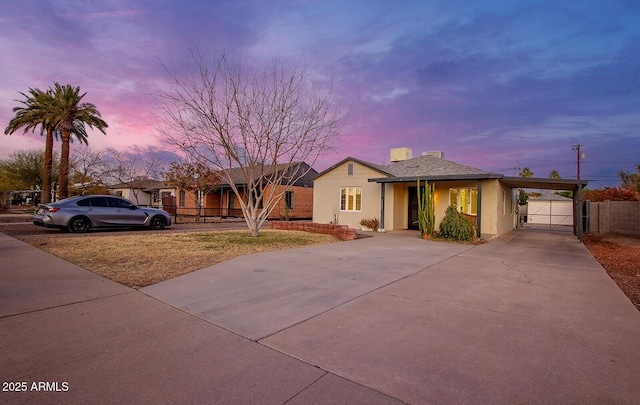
(544, 183)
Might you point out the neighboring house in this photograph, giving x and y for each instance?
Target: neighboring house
(353, 189)
(296, 203)
(550, 209)
(144, 192)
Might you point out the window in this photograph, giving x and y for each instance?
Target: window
(182, 198)
(465, 200)
(155, 196)
(288, 200)
(349, 169)
(118, 203)
(351, 199)
(99, 201)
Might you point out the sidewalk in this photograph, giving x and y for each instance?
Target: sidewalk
(531, 317)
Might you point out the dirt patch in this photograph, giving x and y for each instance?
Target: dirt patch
(620, 256)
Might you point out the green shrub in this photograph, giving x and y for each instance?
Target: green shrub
(455, 226)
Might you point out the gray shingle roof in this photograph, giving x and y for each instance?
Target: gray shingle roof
(238, 177)
(430, 166)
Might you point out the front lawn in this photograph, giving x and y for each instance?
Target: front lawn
(141, 259)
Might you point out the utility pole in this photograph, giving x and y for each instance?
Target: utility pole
(577, 147)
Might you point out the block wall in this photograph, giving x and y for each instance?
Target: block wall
(614, 217)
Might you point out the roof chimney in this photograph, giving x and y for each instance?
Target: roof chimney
(398, 154)
(438, 154)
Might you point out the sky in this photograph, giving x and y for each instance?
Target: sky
(498, 85)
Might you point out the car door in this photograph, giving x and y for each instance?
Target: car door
(98, 209)
(125, 215)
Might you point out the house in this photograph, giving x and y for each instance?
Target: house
(144, 192)
(221, 201)
(353, 189)
(550, 209)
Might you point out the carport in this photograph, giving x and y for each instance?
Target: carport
(576, 186)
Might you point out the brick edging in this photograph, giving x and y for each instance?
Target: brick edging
(341, 231)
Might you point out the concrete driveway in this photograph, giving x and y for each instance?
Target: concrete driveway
(529, 317)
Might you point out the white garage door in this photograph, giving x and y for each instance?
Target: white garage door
(550, 212)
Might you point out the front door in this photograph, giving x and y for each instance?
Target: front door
(413, 208)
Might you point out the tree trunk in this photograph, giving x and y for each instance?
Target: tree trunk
(47, 169)
(252, 224)
(63, 179)
(254, 229)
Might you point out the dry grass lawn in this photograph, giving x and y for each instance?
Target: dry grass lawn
(139, 260)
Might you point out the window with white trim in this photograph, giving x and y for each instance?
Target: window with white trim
(351, 199)
(465, 200)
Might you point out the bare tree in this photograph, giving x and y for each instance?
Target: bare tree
(134, 169)
(193, 177)
(89, 168)
(261, 130)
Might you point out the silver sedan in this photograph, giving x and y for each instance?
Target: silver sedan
(81, 213)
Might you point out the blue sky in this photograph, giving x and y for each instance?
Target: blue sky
(493, 84)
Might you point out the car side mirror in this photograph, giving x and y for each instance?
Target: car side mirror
(133, 207)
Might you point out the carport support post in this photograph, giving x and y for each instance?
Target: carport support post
(577, 213)
(479, 210)
(382, 206)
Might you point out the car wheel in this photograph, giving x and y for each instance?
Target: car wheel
(157, 222)
(79, 225)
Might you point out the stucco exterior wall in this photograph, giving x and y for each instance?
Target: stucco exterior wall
(495, 197)
(326, 195)
(400, 208)
(127, 193)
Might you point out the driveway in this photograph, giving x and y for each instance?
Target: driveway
(528, 317)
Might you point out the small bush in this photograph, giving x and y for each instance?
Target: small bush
(455, 226)
(372, 223)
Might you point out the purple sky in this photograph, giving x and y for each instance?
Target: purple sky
(491, 83)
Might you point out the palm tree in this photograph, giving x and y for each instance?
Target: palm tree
(553, 174)
(526, 172)
(36, 111)
(71, 115)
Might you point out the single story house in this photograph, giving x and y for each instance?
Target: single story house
(144, 192)
(353, 189)
(221, 201)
